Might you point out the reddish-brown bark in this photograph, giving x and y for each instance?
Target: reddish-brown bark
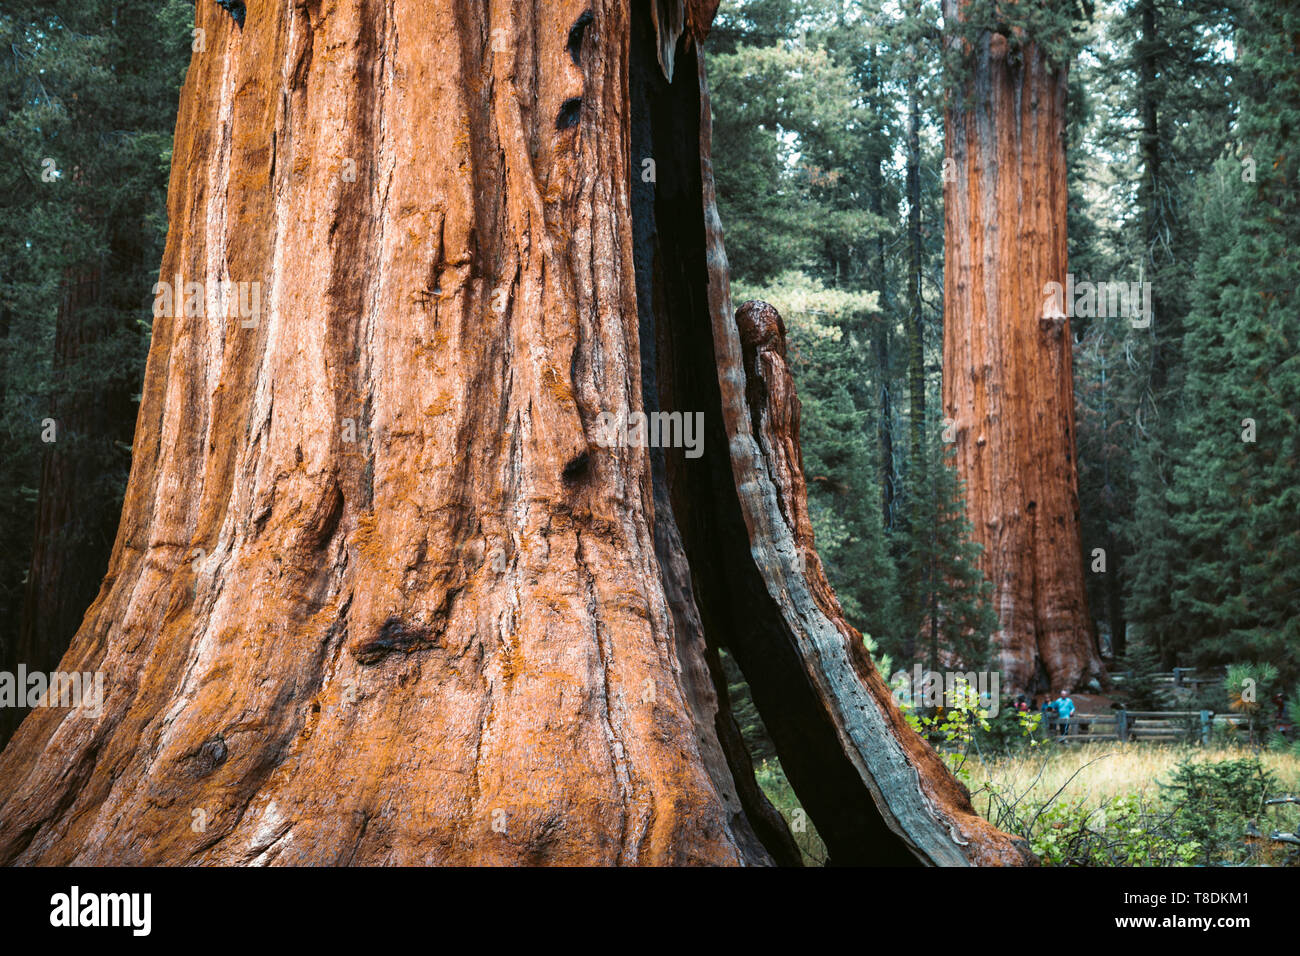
(1007, 385)
(474, 634)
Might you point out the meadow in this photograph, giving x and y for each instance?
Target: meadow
(1110, 804)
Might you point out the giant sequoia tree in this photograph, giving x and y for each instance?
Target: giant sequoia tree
(1007, 384)
(379, 593)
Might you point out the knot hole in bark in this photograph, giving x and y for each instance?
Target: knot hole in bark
(236, 9)
(569, 113)
(394, 636)
(576, 33)
(1052, 325)
(208, 756)
(576, 469)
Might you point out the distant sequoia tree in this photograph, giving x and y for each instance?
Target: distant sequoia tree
(1008, 387)
(378, 596)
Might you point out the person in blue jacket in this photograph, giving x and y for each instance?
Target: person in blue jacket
(1065, 710)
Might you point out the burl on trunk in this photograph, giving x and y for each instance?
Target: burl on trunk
(379, 595)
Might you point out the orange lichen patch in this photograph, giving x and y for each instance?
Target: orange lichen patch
(442, 404)
(555, 191)
(460, 144)
(557, 384)
(365, 539)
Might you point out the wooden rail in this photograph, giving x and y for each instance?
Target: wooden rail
(1126, 725)
(1180, 677)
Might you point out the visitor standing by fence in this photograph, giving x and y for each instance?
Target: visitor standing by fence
(1065, 710)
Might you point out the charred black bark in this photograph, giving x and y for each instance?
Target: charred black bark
(654, 127)
(680, 372)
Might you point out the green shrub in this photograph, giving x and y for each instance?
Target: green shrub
(1126, 832)
(772, 779)
(1213, 802)
(1203, 814)
(1247, 686)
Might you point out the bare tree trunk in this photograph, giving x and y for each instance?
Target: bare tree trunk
(1007, 386)
(1149, 188)
(476, 633)
(877, 332)
(915, 321)
(53, 601)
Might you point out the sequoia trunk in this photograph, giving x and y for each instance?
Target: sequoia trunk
(385, 590)
(1008, 393)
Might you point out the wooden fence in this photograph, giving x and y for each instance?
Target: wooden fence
(1156, 725)
(1180, 678)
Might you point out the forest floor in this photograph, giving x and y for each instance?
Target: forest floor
(1074, 785)
(1103, 803)
(1097, 772)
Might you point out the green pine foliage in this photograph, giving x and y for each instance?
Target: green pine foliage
(88, 98)
(1155, 110)
(1141, 689)
(806, 102)
(949, 619)
(1230, 551)
(746, 715)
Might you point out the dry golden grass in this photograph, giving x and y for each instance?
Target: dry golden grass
(1103, 771)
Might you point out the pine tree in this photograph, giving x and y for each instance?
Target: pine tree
(806, 102)
(1151, 107)
(949, 620)
(1233, 502)
(1156, 551)
(1142, 688)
